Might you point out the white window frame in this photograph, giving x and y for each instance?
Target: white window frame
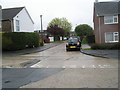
(17, 25)
(113, 17)
(114, 33)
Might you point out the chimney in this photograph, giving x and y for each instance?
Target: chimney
(96, 1)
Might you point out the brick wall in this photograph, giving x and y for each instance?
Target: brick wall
(100, 28)
(6, 26)
(106, 28)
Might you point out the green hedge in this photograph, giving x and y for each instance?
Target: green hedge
(90, 39)
(106, 46)
(84, 41)
(19, 40)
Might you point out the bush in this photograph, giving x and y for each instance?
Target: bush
(41, 43)
(91, 39)
(106, 46)
(6, 42)
(84, 41)
(19, 40)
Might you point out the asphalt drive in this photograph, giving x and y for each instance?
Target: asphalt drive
(16, 77)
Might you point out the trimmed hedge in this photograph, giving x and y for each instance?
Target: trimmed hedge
(106, 46)
(19, 40)
(90, 39)
(84, 41)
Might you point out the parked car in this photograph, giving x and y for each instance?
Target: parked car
(73, 43)
(46, 40)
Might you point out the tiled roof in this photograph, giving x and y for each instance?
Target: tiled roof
(10, 13)
(107, 8)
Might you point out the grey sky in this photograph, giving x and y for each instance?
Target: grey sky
(76, 11)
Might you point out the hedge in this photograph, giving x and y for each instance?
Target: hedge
(108, 46)
(19, 40)
(90, 39)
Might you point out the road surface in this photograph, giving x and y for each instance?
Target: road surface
(60, 69)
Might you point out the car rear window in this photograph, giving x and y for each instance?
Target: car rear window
(73, 40)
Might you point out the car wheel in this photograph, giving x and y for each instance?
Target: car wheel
(67, 49)
(78, 49)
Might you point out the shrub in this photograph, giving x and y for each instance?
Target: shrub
(106, 46)
(41, 43)
(84, 41)
(19, 40)
(6, 42)
(90, 39)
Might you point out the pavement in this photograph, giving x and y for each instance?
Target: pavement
(113, 54)
(31, 50)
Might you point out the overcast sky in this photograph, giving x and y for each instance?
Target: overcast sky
(76, 11)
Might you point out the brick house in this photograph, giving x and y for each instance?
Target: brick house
(106, 22)
(0, 18)
(16, 20)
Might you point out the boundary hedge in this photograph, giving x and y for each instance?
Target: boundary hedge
(19, 40)
(109, 46)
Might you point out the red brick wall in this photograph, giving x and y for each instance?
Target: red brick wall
(96, 28)
(6, 26)
(106, 28)
(100, 28)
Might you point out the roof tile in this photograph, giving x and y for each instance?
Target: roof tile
(10, 13)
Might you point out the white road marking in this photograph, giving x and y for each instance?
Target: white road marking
(93, 66)
(63, 66)
(83, 66)
(47, 67)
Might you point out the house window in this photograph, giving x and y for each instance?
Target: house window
(17, 25)
(111, 19)
(111, 37)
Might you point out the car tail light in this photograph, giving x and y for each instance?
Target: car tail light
(78, 43)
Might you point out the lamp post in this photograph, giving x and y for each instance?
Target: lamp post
(41, 27)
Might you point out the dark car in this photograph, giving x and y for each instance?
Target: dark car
(73, 43)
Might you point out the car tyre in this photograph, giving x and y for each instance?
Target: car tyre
(67, 49)
(79, 49)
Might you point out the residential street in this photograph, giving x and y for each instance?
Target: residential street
(56, 68)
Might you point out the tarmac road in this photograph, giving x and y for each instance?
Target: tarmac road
(60, 69)
(16, 77)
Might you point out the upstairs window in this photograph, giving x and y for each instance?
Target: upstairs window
(110, 19)
(17, 25)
